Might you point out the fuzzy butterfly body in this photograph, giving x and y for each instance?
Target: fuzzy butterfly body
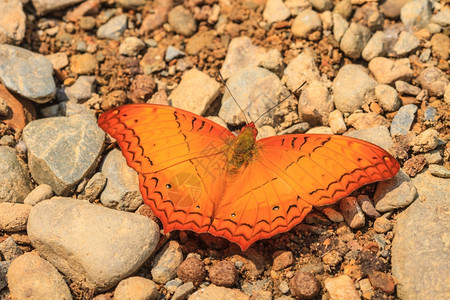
(197, 175)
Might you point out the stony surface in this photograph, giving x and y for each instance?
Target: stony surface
(40, 193)
(166, 262)
(14, 216)
(90, 243)
(14, 182)
(394, 193)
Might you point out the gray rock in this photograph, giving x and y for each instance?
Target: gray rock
(423, 273)
(241, 54)
(90, 243)
(273, 61)
(166, 262)
(45, 6)
(434, 81)
(183, 291)
(388, 71)
(40, 193)
(387, 97)
(430, 114)
(136, 288)
(275, 11)
(376, 46)
(114, 28)
(354, 40)
(218, 293)
(172, 285)
(433, 157)
(14, 182)
(315, 104)
(10, 250)
(394, 193)
(406, 88)
(442, 17)
(80, 91)
(299, 70)
(403, 120)
(122, 186)
(306, 22)
(340, 25)
(63, 150)
(26, 73)
(406, 43)
(173, 53)
(352, 212)
(182, 21)
(93, 187)
(251, 288)
(439, 171)
(199, 88)
(416, 13)
(31, 277)
(352, 88)
(257, 90)
(131, 46)
(12, 22)
(4, 265)
(297, 128)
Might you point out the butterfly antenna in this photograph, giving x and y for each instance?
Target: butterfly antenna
(279, 103)
(226, 86)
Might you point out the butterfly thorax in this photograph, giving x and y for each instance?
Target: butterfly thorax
(242, 149)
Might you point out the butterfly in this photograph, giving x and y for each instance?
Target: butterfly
(197, 175)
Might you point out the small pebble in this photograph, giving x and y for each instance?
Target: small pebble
(382, 281)
(439, 171)
(9, 249)
(183, 291)
(406, 43)
(382, 225)
(403, 120)
(304, 285)
(114, 28)
(182, 21)
(352, 212)
(354, 40)
(40, 193)
(191, 270)
(332, 258)
(131, 46)
(93, 188)
(406, 88)
(430, 114)
(223, 273)
(14, 216)
(426, 141)
(433, 80)
(333, 215)
(414, 165)
(341, 287)
(306, 22)
(136, 288)
(173, 53)
(166, 262)
(282, 259)
(367, 206)
(387, 97)
(283, 287)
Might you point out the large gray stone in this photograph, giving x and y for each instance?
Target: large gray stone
(91, 243)
(26, 73)
(14, 181)
(420, 249)
(63, 150)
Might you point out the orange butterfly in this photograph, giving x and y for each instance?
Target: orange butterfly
(197, 175)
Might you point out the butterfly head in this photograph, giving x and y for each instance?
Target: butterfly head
(249, 129)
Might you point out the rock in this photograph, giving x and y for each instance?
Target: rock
(4, 265)
(352, 212)
(354, 40)
(387, 97)
(299, 70)
(344, 8)
(439, 171)
(332, 258)
(447, 94)
(375, 47)
(364, 121)
(199, 88)
(113, 29)
(378, 135)
(83, 63)
(59, 60)
(333, 215)
(433, 80)
(422, 274)
(403, 120)
(442, 17)
(388, 71)
(93, 188)
(257, 90)
(153, 60)
(182, 21)
(192, 270)
(320, 130)
(391, 8)
(12, 22)
(90, 243)
(367, 206)
(14, 182)
(19, 111)
(382, 225)
(131, 4)
(382, 281)
(283, 287)
(305, 23)
(241, 54)
(201, 40)
(414, 165)
(273, 61)
(336, 122)
(352, 88)
(31, 277)
(315, 104)
(154, 20)
(40, 193)
(45, 6)
(252, 288)
(9, 249)
(136, 288)
(143, 88)
(341, 287)
(275, 11)
(172, 285)
(173, 53)
(340, 25)
(282, 259)
(63, 150)
(166, 262)
(322, 5)
(122, 183)
(406, 43)
(13, 216)
(416, 13)
(426, 141)
(304, 285)
(87, 22)
(131, 46)
(406, 88)
(223, 273)
(433, 157)
(217, 293)
(394, 193)
(80, 91)
(183, 291)
(26, 73)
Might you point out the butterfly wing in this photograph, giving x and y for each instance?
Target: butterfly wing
(179, 157)
(290, 175)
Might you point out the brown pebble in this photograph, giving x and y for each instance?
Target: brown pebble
(382, 225)
(282, 259)
(142, 88)
(223, 273)
(332, 258)
(414, 165)
(191, 270)
(304, 285)
(382, 281)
